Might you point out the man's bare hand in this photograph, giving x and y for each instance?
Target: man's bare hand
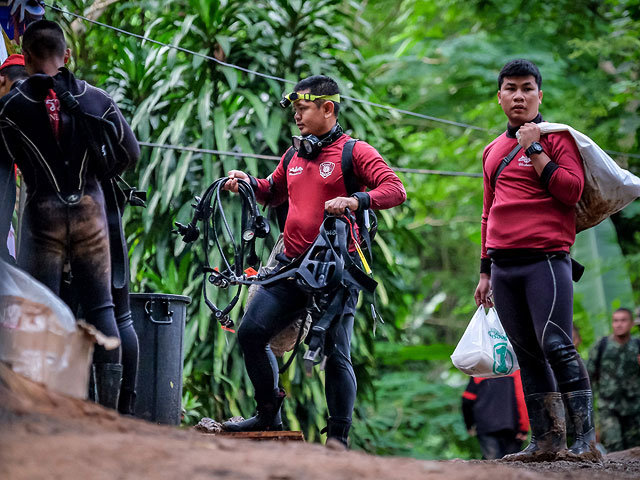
(529, 133)
(521, 436)
(338, 204)
(483, 291)
(232, 184)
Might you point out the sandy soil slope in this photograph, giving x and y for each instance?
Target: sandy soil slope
(48, 436)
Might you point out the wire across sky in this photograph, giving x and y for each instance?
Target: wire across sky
(283, 80)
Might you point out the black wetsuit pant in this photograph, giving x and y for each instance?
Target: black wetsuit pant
(534, 301)
(270, 311)
(54, 232)
(128, 337)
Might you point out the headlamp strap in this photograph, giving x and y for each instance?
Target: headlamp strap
(294, 97)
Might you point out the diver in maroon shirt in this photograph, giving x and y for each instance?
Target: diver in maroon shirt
(528, 225)
(313, 183)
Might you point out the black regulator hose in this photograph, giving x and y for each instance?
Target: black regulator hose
(207, 210)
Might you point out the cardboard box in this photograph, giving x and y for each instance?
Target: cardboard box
(40, 338)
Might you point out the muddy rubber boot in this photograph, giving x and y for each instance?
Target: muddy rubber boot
(267, 418)
(580, 407)
(548, 429)
(337, 434)
(92, 395)
(107, 382)
(127, 402)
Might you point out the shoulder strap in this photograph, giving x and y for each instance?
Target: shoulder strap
(505, 161)
(349, 177)
(366, 219)
(287, 158)
(283, 209)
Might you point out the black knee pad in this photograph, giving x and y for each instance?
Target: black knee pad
(561, 354)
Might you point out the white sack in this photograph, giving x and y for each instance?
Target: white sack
(608, 188)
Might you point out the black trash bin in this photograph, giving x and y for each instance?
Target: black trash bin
(159, 321)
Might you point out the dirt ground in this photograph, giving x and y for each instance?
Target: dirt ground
(47, 436)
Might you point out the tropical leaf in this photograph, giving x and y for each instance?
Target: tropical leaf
(605, 285)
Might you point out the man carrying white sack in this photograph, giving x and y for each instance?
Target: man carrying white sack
(531, 188)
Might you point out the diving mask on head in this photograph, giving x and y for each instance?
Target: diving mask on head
(293, 97)
(309, 146)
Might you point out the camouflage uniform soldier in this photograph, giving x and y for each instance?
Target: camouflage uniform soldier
(614, 367)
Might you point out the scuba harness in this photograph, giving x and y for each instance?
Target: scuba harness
(327, 270)
(253, 225)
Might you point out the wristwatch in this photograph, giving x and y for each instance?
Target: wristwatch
(534, 149)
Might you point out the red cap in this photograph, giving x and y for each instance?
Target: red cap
(12, 60)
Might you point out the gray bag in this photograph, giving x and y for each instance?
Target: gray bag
(285, 340)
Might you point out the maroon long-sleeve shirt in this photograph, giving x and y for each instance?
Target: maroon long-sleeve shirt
(308, 184)
(527, 210)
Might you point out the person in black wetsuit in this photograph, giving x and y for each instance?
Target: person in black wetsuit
(312, 183)
(63, 154)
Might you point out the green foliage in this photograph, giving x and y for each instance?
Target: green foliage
(436, 57)
(416, 416)
(605, 285)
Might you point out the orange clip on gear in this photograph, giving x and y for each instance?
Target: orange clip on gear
(251, 272)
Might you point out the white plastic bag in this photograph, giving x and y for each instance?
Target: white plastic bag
(608, 188)
(484, 349)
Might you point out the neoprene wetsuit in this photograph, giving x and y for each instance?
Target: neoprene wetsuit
(308, 184)
(528, 225)
(64, 216)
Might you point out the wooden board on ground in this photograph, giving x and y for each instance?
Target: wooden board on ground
(282, 436)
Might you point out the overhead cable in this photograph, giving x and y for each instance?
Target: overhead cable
(277, 159)
(168, 45)
(284, 80)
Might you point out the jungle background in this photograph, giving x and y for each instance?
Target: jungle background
(439, 58)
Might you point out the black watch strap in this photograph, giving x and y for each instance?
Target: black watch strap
(534, 149)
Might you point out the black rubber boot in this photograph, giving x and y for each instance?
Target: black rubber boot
(580, 407)
(338, 434)
(267, 418)
(92, 395)
(107, 383)
(548, 429)
(127, 402)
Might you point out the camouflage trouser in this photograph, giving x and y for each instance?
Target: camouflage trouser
(619, 432)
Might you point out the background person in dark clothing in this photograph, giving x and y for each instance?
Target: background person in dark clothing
(12, 71)
(528, 226)
(61, 156)
(312, 184)
(494, 410)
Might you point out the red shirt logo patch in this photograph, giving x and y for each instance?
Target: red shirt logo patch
(326, 169)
